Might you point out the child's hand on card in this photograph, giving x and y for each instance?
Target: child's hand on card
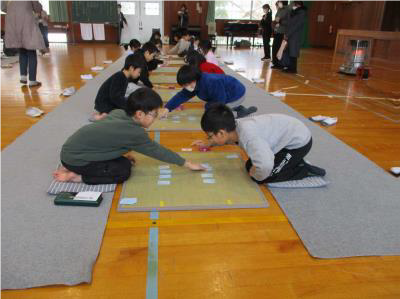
(163, 113)
(199, 143)
(194, 166)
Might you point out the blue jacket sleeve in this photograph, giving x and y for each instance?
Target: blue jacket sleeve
(180, 98)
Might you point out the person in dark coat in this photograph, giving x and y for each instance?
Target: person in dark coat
(280, 23)
(122, 21)
(266, 28)
(294, 34)
(183, 17)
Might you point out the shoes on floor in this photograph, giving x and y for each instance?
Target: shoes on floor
(265, 58)
(278, 67)
(314, 170)
(289, 71)
(34, 83)
(24, 80)
(243, 112)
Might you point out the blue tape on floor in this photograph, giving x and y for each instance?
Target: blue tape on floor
(152, 260)
(152, 265)
(157, 136)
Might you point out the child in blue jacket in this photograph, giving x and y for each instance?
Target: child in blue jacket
(211, 88)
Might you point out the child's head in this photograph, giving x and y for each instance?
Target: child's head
(266, 8)
(186, 35)
(149, 51)
(155, 35)
(187, 77)
(196, 40)
(133, 66)
(194, 58)
(135, 45)
(205, 46)
(217, 122)
(178, 36)
(158, 44)
(142, 105)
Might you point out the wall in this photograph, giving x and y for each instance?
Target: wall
(357, 15)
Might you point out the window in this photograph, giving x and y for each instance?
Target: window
(128, 8)
(152, 9)
(242, 9)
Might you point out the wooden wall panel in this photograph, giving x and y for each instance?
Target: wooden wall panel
(356, 15)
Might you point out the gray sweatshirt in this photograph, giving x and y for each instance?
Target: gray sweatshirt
(262, 136)
(182, 45)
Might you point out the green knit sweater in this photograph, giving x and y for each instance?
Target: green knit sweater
(110, 138)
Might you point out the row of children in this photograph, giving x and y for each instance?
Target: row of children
(98, 153)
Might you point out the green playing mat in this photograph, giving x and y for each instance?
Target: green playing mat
(155, 185)
(166, 69)
(156, 79)
(179, 120)
(166, 95)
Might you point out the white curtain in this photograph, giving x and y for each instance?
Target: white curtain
(86, 31)
(98, 30)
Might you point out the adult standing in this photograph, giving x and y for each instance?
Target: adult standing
(122, 21)
(281, 19)
(183, 18)
(266, 27)
(22, 32)
(294, 34)
(44, 28)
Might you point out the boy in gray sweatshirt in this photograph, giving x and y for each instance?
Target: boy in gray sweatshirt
(275, 143)
(96, 153)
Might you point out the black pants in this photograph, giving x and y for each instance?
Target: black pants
(288, 165)
(267, 46)
(103, 172)
(292, 63)
(28, 58)
(276, 44)
(45, 32)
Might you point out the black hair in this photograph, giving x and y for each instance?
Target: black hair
(205, 46)
(284, 3)
(265, 6)
(155, 37)
(185, 32)
(178, 34)
(144, 99)
(194, 58)
(187, 74)
(184, 5)
(132, 61)
(299, 3)
(150, 47)
(218, 117)
(119, 5)
(134, 43)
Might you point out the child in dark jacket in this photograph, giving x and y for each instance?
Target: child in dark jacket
(145, 55)
(210, 88)
(111, 94)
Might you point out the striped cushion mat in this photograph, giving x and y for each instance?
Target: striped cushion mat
(309, 182)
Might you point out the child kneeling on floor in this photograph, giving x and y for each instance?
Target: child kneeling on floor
(95, 153)
(211, 88)
(275, 143)
(111, 94)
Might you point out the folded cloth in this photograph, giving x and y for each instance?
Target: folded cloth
(330, 121)
(97, 68)
(34, 112)
(257, 80)
(69, 91)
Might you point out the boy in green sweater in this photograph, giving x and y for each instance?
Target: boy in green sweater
(95, 153)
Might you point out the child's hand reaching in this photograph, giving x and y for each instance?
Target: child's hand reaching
(199, 143)
(193, 166)
(252, 171)
(163, 113)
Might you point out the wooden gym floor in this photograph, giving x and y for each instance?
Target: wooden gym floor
(229, 253)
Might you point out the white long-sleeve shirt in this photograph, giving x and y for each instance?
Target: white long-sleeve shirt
(262, 136)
